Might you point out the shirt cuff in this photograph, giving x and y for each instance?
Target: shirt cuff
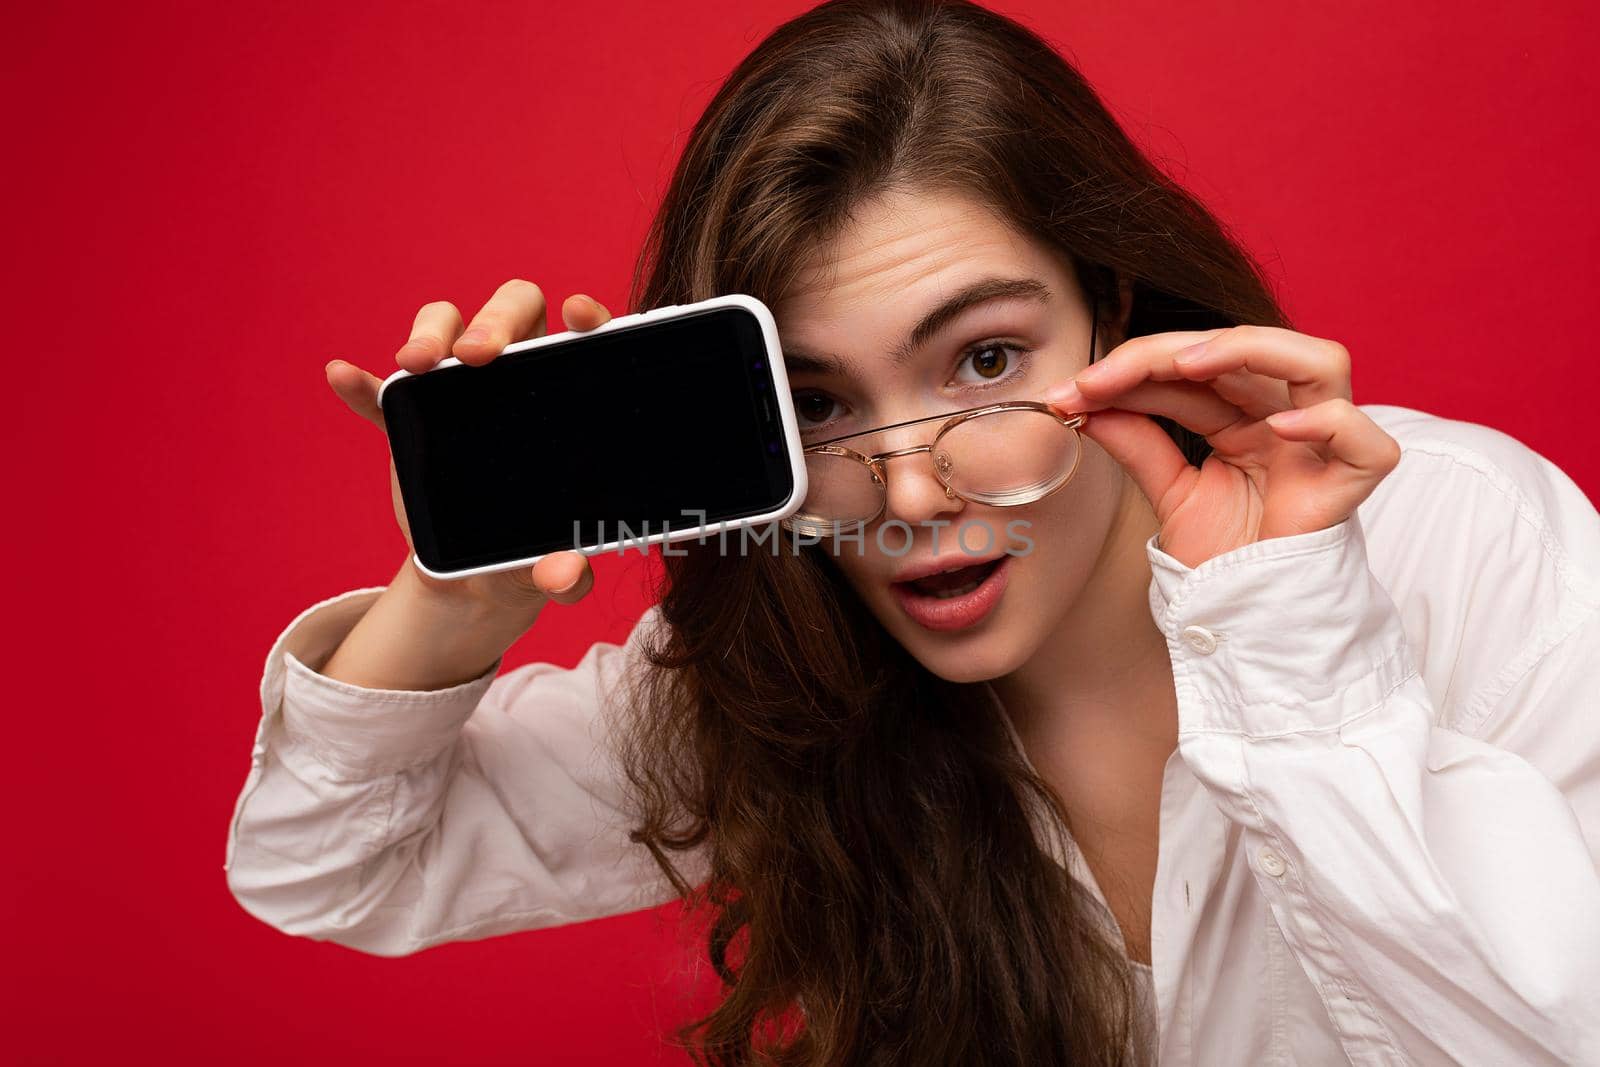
(359, 732)
(1284, 635)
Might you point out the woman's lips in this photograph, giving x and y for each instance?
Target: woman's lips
(953, 613)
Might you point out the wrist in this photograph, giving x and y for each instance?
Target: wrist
(419, 636)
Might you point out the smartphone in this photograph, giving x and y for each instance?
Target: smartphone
(654, 427)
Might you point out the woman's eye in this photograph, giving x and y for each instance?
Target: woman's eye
(989, 361)
(813, 407)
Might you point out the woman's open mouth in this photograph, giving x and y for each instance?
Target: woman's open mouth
(955, 599)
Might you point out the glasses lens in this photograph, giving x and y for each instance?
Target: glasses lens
(1008, 457)
(839, 489)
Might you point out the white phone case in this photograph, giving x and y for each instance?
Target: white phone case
(785, 403)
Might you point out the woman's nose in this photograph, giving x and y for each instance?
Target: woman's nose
(915, 494)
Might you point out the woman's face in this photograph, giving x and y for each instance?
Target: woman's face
(857, 302)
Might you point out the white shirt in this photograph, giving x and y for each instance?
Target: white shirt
(1379, 832)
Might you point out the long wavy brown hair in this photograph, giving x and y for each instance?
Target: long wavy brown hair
(878, 889)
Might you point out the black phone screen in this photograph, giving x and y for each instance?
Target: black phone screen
(597, 439)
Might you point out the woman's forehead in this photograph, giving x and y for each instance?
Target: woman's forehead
(900, 255)
(897, 243)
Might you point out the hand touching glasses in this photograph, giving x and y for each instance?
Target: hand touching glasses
(1291, 452)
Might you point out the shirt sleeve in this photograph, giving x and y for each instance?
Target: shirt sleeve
(1437, 887)
(389, 821)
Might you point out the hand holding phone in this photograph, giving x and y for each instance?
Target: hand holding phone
(515, 312)
(665, 425)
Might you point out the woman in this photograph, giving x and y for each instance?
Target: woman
(1271, 746)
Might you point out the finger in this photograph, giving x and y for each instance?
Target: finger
(1253, 394)
(515, 312)
(582, 312)
(1315, 368)
(1145, 451)
(357, 388)
(564, 577)
(1139, 359)
(1352, 438)
(435, 328)
(1192, 404)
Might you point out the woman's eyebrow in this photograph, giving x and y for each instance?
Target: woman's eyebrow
(982, 291)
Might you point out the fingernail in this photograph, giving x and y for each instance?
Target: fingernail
(1287, 419)
(569, 587)
(1064, 396)
(1090, 373)
(1190, 354)
(477, 335)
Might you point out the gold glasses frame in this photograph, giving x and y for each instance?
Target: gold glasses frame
(877, 463)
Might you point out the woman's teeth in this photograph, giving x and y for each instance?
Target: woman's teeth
(953, 583)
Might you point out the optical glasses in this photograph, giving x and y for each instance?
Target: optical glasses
(1003, 454)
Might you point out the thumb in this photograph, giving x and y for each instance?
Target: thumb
(1144, 450)
(564, 577)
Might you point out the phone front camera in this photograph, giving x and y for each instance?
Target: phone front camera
(772, 446)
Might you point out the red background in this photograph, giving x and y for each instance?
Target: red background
(209, 201)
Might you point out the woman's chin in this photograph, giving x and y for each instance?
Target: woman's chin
(964, 657)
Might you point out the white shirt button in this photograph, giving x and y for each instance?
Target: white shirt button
(1272, 863)
(1200, 639)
